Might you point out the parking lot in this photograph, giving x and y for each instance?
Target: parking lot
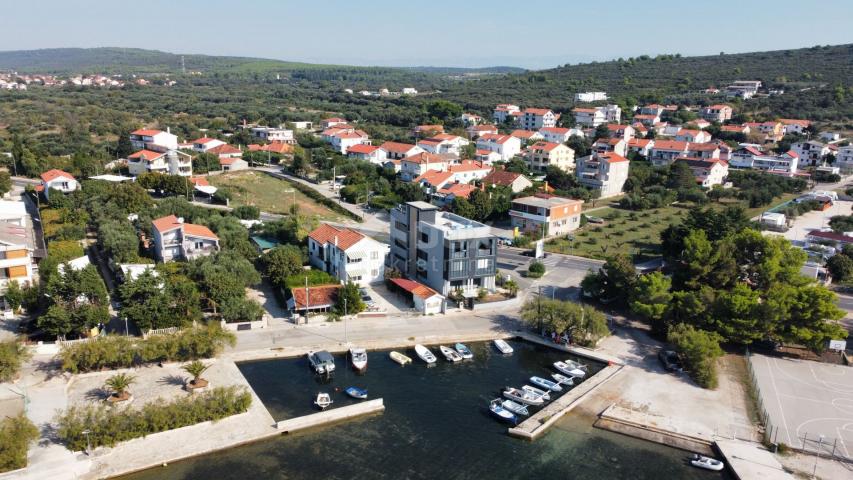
(809, 404)
(814, 220)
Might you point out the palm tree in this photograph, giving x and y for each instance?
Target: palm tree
(119, 384)
(196, 368)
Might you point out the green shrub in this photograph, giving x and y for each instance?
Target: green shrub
(110, 426)
(65, 250)
(700, 350)
(16, 434)
(12, 355)
(113, 352)
(536, 269)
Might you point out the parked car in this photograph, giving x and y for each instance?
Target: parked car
(594, 219)
(670, 361)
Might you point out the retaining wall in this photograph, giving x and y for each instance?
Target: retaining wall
(333, 415)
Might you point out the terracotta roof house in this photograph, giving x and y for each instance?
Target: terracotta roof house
(313, 298)
(176, 240)
(516, 181)
(347, 255)
(57, 180)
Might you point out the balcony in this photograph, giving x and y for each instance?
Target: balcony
(462, 254)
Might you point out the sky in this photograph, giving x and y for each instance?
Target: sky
(531, 34)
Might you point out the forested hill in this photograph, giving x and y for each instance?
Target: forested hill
(655, 78)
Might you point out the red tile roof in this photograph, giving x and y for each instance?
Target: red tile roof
(462, 190)
(344, 238)
(501, 177)
(526, 134)
(170, 222)
(495, 138)
(611, 157)
(396, 147)
(362, 148)
(228, 161)
(414, 287)
(537, 111)
(546, 146)
(224, 149)
(203, 140)
(146, 133)
(200, 181)
(555, 130)
(55, 173)
(316, 296)
(670, 145)
(424, 158)
(146, 155)
(434, 177)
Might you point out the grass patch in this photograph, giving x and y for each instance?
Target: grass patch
(268, 193)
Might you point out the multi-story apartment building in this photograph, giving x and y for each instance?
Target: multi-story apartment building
(17, 245)
(546, 214)
(811, 151)
(590, 96)
(536, 118)
(442, 250)
(156, 140)
(749, 156)
(176, 240)
(170, 162)
(541, 155)
(506, 146)
(605, 172)
(272, 134)
(347, 255)
(593, 117)
(844, 158)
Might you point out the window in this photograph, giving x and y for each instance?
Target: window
(374, 255)
(374, 272)
(422, 255)
(425, 237)
(457, 266)
(199, 245)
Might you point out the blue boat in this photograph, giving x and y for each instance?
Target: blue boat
(464, 351)
(356, 392)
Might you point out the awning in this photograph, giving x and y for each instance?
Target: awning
(208, 189)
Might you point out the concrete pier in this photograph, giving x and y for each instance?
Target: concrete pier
(333, 415)
(750, 460)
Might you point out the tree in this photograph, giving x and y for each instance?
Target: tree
(123, 147)
(119, 383)
(282, 262)
(620, 276)
(482, 205)
(16, 435)
(700, 350)
(805, 315)
(240, 309)
(840, 266)
(14, 295)
(651, 299)
(195, 369)
(736, 315)
(585, 324)
(5, 183)
(349, 301)
(681, 176)
(536, 269)
(56, 321)
(247, 212)
(12, 356)
(463, 208)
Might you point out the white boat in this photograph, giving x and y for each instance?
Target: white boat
(359, 358)
(574, 364)
(450, 354)
(523, 397)
(500, 412)
(535, 391)
(322, 362)
(563, 367)
(425, 354)
(464, 351)
(707, 463)
(545, 383)
(502, 346)
(323, 400)
(562, 379)
(400, 358)
(515, 408)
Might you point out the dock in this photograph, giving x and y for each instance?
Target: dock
(750, 460)
(333, 415)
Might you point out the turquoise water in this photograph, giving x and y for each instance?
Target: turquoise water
(436, 424)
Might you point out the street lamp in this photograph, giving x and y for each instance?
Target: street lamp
(126, 330)
(88, 442)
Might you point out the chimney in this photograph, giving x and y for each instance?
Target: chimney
(336, 240)
(180, 219)
(168, 129)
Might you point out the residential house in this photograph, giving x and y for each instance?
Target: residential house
(707, 172)
(504, 111)
(398, 151)
(204, 144)
(773, 131)
(617, 130)
(537, 118)
(558, 134)
(279, 148)
(487, 156)
(232, 164)
(469, 119)
(425, 131)
(272, 134)
(342, 137)
(418, 164)
(693, 136)
(665, 151)
(302, 125)
(605, 172)
(504, 145)
(844, 158)
(653, 109)
(837, 240)
(704, 150)
(446, 195)
(811, 151)
(424, 299)
(316, 298)
(616, 145)
(332, 122)
(749, 156)
(464, 172)
(371, 153)
(57, 180)
(475, 131)
(17, 245)
(745, 89)
(444, 143)
(156, 140)
(442, 250)
(589, 117)
(699, 123)
(170, 162)
(527, 136)
(647, 120)
(716, 113)
(641, 145)
(744, 129)
(590, 96)
(176, 240)
(545, 214)
(347, 255)
(541, 155)
(514, 180)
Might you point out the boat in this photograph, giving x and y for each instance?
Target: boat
(574, 364)
(547, 384)
(523, 397)
(563, 367)
(515, 408)
(323, 400)
(355, 392)
(502, 413)
(359, 358)
(400, 358)
(425, 354)
(450, 354)
(322, 362)
(502, 346)
(707, 463)
(535, 391)
(464, 350)
(562, 379)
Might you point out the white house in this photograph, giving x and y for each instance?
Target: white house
(537, 118)
(272, 134)
(343, 139)
(371, 153)
(844, 158)
(444, 143)
(176, 240)
(792, 125)
(514, 180)
(593, 117)
(233, 164)
(409, 91)
(749, 156)
(398, 151)
(605, 172)
(332, 122)
(506, 146)
(475, 131)
(707, 172)
(618, 130)
(347, 255)
(716, 113)
(811, 151)
(171, 162)
(694, 136)
(590, 96)
(204, 144)
(418, 164)
(58, 180)
(557, 134)
(504, 111)
(148, 139)
(541, 155)
(664, 152)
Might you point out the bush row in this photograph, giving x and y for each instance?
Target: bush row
(121, 352)
(110, 425)
(319, 198)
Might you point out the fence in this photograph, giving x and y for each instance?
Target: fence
(160, 331)
(811, 444)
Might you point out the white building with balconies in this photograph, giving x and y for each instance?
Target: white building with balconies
(605, 172)
(176, 240)
(170, 162)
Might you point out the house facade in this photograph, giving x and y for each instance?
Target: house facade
(204, 144)
(707, 172)
(752, 158)
(371, 153)
(541, 155)
(716, 113)
(506, 146)
(606, 173)
(399, 151)
(537, 118)
(157, 140)
(58, 180)
(504, 111)
(175, 239)
(545, 214)
(514, 180)
(347, 255)
(170, 162)
(416, 165)
(812, 151)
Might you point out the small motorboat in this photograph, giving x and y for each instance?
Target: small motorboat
(355, 392)
(502, 413)
(323, 400)
(515, 408)
(547, 384)
(563, 367)
(562, 379)
(450, 354)
(523, 397)
(400, 358)
(322, 362)
(502, 346)
(574, 364)
(707, 463)
(464, 351)
(424, 354)
(535, 391)
(359, 358)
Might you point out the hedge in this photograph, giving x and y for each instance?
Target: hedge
(16, 434)
(111, 425)
(319, 198)
(12, 355)
(116, 351)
